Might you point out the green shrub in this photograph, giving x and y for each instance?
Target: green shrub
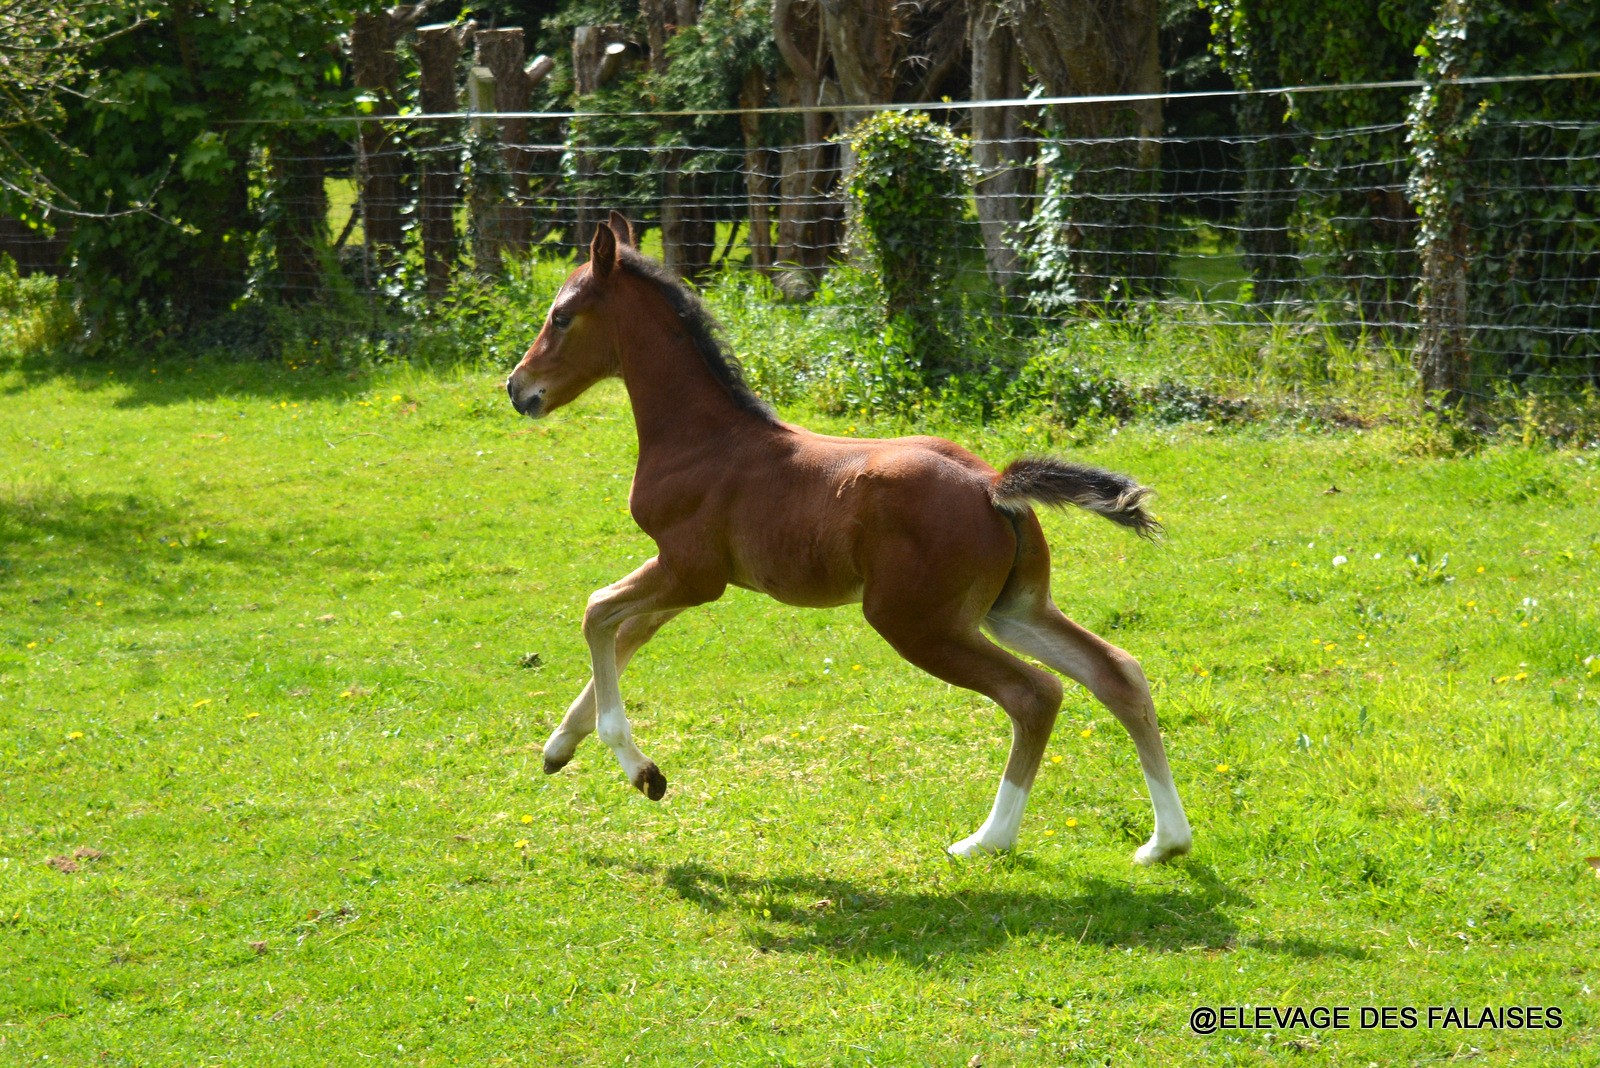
(908, 193)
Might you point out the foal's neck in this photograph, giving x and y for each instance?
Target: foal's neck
(678, 403)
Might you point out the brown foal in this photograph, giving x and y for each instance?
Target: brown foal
(934, 543)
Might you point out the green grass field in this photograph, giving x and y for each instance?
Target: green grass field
(279, 644)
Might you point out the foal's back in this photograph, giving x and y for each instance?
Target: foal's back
(825, 517)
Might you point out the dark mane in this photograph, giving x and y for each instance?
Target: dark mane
(703, 331)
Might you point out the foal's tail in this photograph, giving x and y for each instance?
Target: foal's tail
(1059, 483)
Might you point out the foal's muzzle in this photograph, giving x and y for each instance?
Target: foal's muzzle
(528, 402)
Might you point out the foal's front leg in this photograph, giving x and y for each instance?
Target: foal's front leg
(648, 591)
(579, 722)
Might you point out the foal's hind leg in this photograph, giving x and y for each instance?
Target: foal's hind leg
(1029, 696)
(1116, 680)
(579, 722)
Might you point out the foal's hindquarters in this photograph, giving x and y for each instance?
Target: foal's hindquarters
(924, 615)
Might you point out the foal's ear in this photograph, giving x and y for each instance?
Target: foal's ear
(623, 229)
(602, 252)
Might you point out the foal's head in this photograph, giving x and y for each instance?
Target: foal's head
(577, 347)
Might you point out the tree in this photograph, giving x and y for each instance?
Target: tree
(42, 50)
(850, 55)
(999, 147)
(1108, 166)
(161, 151)
(1348, 191)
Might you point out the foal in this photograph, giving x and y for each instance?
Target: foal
(935, 544)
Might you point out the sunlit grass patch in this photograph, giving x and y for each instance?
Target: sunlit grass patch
(288, 678)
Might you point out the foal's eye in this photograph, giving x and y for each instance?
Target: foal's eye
(561, 320)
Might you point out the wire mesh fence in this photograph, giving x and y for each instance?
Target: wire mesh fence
(1290, 224)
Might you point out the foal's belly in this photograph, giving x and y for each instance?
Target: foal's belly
(803, 596)
(796, 569)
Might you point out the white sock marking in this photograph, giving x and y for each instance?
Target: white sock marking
(1172, 836)
(999, 831)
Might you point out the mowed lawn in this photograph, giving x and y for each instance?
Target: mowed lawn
(279, 645)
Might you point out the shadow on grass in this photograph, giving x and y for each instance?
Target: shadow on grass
(138, 380)
(132, 549)
(805, 913)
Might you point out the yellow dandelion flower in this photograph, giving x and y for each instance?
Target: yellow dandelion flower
(1222, 768)
(1049, 833)
(527, 819)
(33, 645)
(252, 715)
(1480, 569)
(1086, 732)
(1521, 676)
(1055, 760)
(520, 843)
(855, 667)
(1072, 823)
(74, 736)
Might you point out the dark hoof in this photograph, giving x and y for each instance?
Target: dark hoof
(651, 782)
(552, 765)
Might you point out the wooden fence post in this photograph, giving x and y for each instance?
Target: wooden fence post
(483, 202)
(438, 50)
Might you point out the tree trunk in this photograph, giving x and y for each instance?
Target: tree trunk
(299, 219)
(865, 42)
(503, 52)
(688, 225)
(381, 165)
(438, 50)
(758, 185)
(589, 44)
(810, 220)
(1441, 147)
(1111, 155)
(999, 148)
(1267, 154)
